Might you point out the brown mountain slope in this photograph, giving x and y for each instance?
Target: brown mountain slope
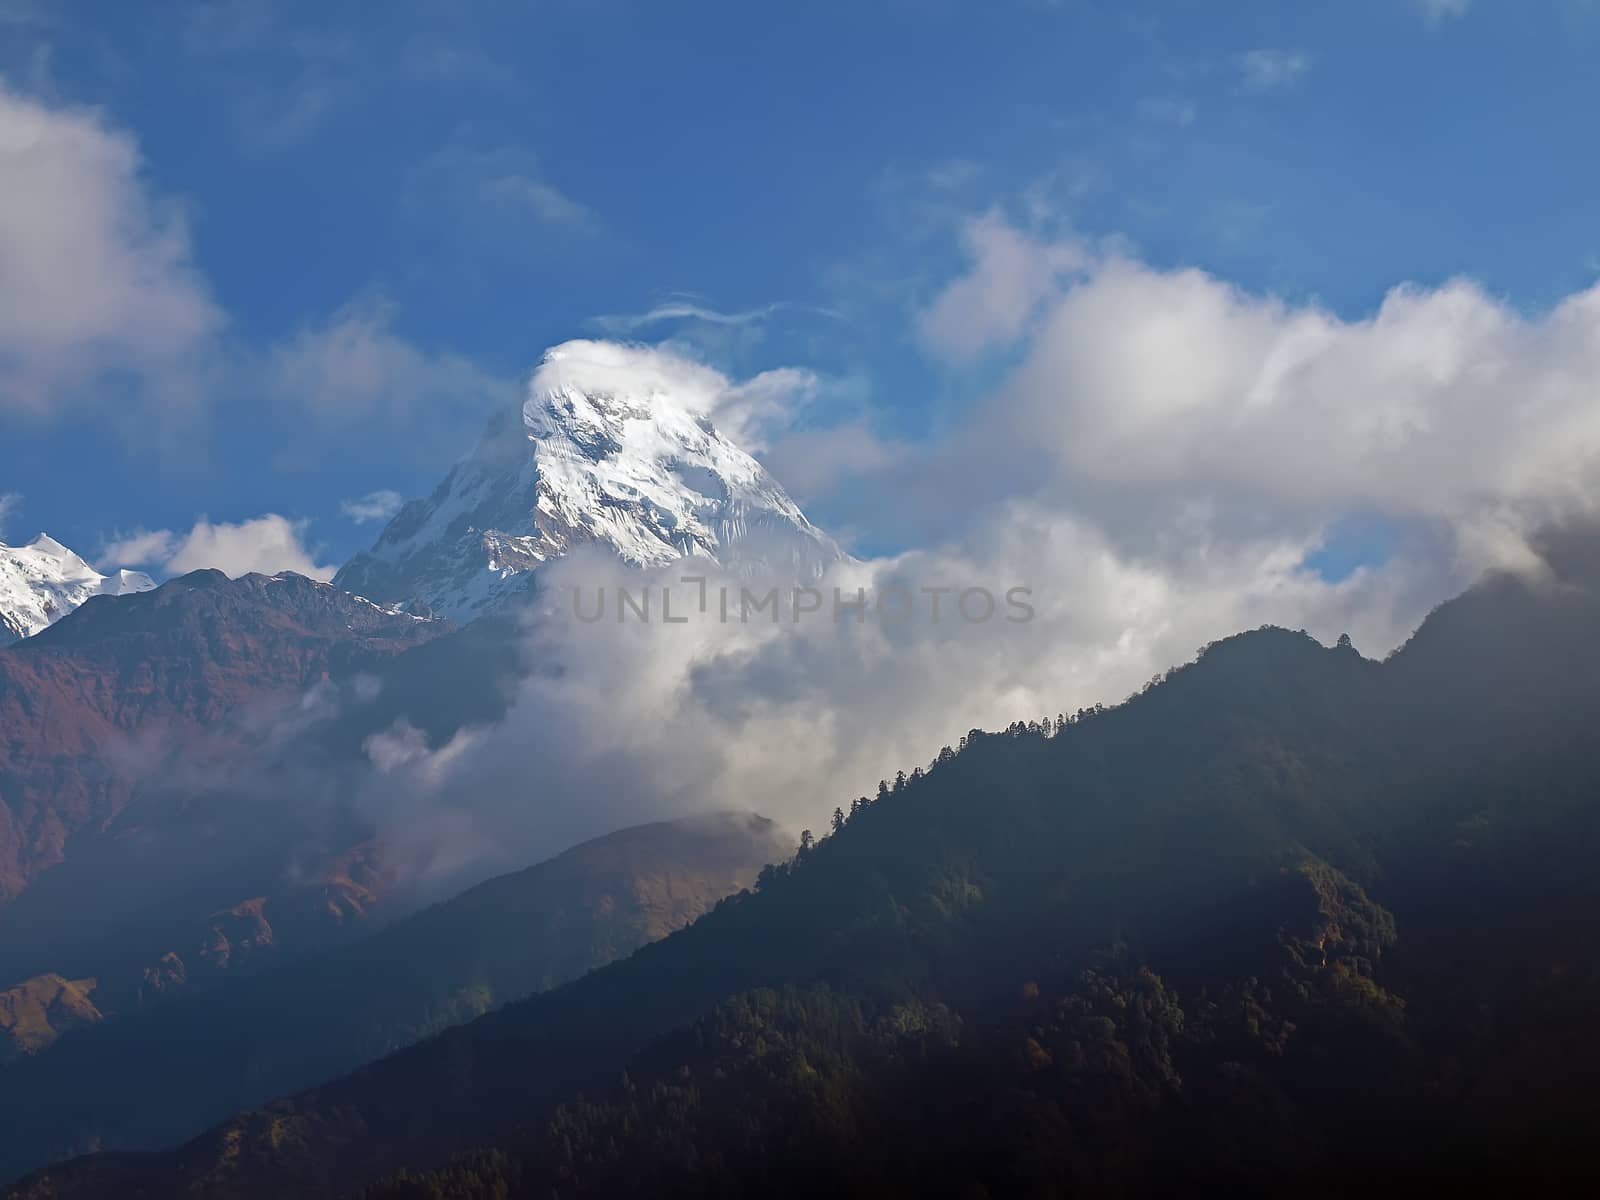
(35, 1013)
(94, 705)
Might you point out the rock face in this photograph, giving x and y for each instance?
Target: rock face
(33, 1014)
(590, 461)
(93, 704)
(43, 581)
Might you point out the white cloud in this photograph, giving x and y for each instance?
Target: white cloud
(142, 548)
(1171, 409)
(539, 199)
(101, 303)
(1436, 12)
(1013, 273)
(10, 503)
(1443, 405)
(751, 412)
(632, 721)
(690, 310)
(98, 275)
(374, 506)
(812, 463)
(681, 310)
(1156, 467)
(266, 544)
(1268, 70)
(761, 408)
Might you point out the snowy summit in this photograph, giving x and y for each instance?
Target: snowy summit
(615, 448)
(43, 581)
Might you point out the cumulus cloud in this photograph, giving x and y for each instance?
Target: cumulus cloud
(1159, 466)
(1013, 274)
(374, 506)
(100, 297)
(1149, 394)
(266, 544)
(625, 721)
(142, 548)
(98, 275)
(1268, 70)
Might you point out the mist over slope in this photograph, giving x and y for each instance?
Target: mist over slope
(141, 689)
(1273, 895)
(323, 1014)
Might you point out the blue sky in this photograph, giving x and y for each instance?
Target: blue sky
(452, 187)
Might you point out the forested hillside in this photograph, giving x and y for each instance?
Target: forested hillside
(1290, 915)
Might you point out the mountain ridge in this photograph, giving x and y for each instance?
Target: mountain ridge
(1214, 856)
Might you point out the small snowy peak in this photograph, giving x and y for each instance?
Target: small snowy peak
(43, 581)
(619, 460)
(124, 582)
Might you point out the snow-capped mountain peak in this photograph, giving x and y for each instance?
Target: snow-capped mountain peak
(610, 458)
(43, 581)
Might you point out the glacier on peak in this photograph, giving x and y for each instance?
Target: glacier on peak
(43, 581)
(602, 455)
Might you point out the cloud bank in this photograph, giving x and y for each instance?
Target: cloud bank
(1160, 464)
(266, 545)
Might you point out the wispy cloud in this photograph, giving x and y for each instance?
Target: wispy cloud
(29, 14)
(1268, 70)
(1437, 12)
(283, 71)
(10, 504)
(1166, 111)
(507, 186)
(355, 372)
(689, 310)
(374, 506)
(539, 199)
(278, 77)
(1013, 274)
